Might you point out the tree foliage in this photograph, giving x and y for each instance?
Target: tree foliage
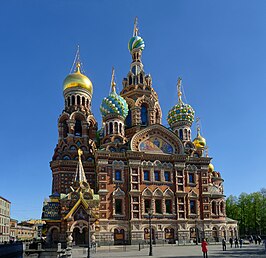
(250, 212)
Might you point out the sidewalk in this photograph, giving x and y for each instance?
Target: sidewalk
(171, 251)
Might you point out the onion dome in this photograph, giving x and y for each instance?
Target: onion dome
(199, 141)
(77, 79)
(210, 168)
(181, 111)
(136, 42)
(114, 103)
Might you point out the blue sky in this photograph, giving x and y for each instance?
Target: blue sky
(217, 47)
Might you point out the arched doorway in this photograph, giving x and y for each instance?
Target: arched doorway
(119, 236)
(80, 237)
(147, 234)
(215, 234)
(169, 235)
(223, 231)
(54, 236)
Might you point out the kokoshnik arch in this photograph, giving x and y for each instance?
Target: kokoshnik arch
(132, 164)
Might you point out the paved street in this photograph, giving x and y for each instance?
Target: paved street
(177, 251)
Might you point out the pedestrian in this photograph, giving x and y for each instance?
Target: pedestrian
(224, 244)
(231, 241)
(256, 239)
(204, 248)
(259, 239)
(236, 242)
(240, 242)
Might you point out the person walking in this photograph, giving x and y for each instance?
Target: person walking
(236, 242)
(231, 241)
(224, 244)
(240, 242)
(204, 248)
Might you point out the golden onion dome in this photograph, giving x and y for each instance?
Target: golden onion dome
(199, 141)
(210, 168)
(77, 79)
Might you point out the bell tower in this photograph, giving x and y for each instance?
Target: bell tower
(144, 107)
(77, 129)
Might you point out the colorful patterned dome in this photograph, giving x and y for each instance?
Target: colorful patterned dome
(114, 104)
(180, 112)
(136, 42)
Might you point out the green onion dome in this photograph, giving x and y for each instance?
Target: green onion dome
(114, 104)
(136, 42)
(180, 112)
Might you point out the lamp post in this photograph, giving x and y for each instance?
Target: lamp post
(89, 239)
(150, 215)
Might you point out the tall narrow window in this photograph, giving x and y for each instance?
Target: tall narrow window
(168, 205)
(118, 206)
(181, 134)
(128, 119)
(193, 206)
(158, 206)
(130, 80)
(191, 178)
(73, 100)
(120, 128)
(83, 101)
(118, 175)
(214, 207)
(147, 204)
(78, 128)
(146, 175)
(167, 176)
(68, 101)
(65, 129)
(141, 78)
(144, 114)
(116, 127)
(111, 128)
(157, 175)
(78, 100)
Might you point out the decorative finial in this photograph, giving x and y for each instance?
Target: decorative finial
(207, 151)
(198, 125)
(179, 92)
(80, 152)
(113, 84)
(135, 31)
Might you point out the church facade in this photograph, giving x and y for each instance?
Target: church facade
(114, 178)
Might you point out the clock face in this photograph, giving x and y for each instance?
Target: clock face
(136, 69)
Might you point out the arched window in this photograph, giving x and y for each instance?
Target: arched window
(185, 134)
(120, 128)
(128, 119)
(144, 114)
(83, 101)
(130, 80)
(68, 101)
(157, 117)
(214, 207)
(111, 128)
(141, 78)
(222, 207)
(181, 134)
(78, 128)
(116, 127)
(78, 100)
(73, 100)
(65, 129)
(87, 103)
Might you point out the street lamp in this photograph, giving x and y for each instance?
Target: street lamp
(89, 239)
(150, 215)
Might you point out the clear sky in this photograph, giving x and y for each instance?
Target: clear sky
(217, 47)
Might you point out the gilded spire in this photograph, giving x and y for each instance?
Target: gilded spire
(113, 84)
(179, 92)
(135, 31)
(80, 174)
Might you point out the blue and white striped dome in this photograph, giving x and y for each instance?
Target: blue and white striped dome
(114, 104)
(136, 42)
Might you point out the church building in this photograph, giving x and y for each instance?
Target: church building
(113, 179)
